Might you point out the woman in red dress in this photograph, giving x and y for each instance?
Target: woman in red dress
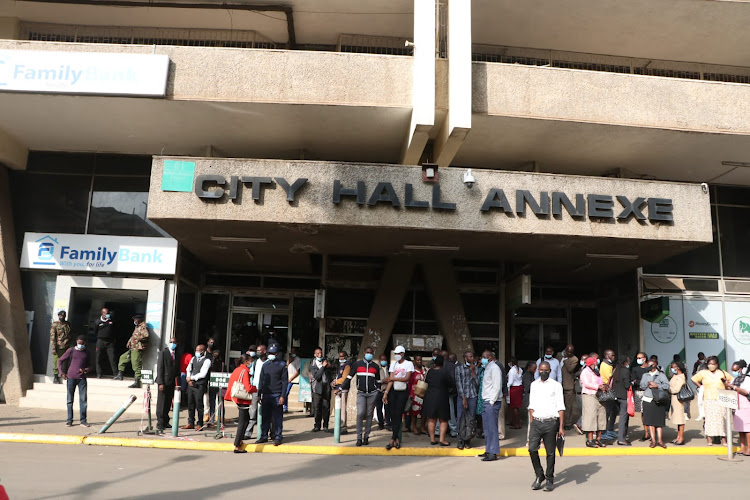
(415, 412)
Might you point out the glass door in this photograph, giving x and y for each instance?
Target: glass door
(531, 337)
(254, 326)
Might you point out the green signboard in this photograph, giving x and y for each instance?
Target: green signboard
(178, 176)
(703, 335)
(219, 380)
(655, 310)
(147, 377)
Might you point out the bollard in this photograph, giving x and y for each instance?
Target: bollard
(176, 411)
(118, 414)
(337, 419)
(730, 440)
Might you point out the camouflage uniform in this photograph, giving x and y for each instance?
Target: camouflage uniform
(136, 345)
(59, 339)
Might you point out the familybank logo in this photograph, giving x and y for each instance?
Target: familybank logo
(89, 257)
(57, 76)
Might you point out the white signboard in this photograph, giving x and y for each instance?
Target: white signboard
(737, 327)
(666, 337)
(96, 253)
(728, 399)
(704, 328)
(84, 73)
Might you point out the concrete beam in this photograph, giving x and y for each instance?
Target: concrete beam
(16, 373)
(442, 288)
(13, 153)
(388, 300)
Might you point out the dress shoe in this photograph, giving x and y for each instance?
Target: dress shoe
(549, 486)
(188, 426)
(159, 430)
(261, 441)
(359, 442)
(326, 429)
(167, 426)
(316, 429)
(276, 442)
(365, 441)
(200, 428)
(490, 457)
(482, 455)
(537, 484)
(240, 451)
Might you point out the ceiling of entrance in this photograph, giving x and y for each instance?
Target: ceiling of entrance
(288, 248)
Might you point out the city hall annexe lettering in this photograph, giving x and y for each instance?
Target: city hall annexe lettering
(593, 206)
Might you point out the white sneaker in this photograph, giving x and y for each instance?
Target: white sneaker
(698, 419)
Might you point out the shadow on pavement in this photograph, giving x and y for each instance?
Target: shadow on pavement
(577, 474)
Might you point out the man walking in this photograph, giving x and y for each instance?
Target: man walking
(198, 374)
(547, 417)
(569, 370)
(75, 376)
(274, 378)
(136, 344)
(367, 380)
(549, 357)
(320, 386)
(105, 343)
(59, 339)
(167, 374)
(492, 393)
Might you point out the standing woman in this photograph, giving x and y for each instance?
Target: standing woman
(741, 385)
(515, 388)
(677, 411)
(241, 375)
(594, 419)
(436, 401)
(713, 380)
(415, 412)
(636, 374)
(654, 414)
(620, 384)
(397, 393)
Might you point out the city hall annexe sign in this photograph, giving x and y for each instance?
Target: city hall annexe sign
(579, 206)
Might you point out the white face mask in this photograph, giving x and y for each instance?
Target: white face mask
(198, 354)
(272, 357)
(398, 357)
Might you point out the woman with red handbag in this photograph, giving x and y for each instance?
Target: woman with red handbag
(242, 397)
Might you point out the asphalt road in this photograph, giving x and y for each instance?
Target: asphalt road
(29, 471)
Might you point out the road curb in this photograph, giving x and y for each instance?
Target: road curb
(294, 449)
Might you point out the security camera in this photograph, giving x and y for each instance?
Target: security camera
(407, 43)
(469, 179)
(704, 186)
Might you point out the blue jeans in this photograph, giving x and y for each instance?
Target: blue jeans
(489, 424)
(82, 390)
(272, 412)
(472, 409)
(286, 396)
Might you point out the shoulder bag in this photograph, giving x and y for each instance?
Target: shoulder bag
(686, 393)
(239, 392)
(660, 396)
(605, 396)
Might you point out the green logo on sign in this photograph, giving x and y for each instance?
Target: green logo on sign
(741, 330)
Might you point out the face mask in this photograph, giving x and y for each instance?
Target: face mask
(342, 361)
(735, 373)
(198, 354)
(468, 364)
(398, 357)
(639, 361)
(80, 347)
(598, 362)
(712, 367)
(252, 354)
(544, 375)
(583, 362)
(485, 361)
(135, 323)
(384, 363)
(272, 357)
(674, 371)
(368, 357)
(173, 346)
(319, 359)
(107, 316)
(210, 344)
(292, 356)
(548, 356)
(434, 358)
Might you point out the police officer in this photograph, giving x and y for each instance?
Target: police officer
(59, 339)
(136, 344)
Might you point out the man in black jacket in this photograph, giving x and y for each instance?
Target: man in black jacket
(167, 371)
(274, 378)
(320, 384)
(105, 342)
(367, 378)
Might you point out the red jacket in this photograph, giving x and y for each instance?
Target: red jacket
(240, 375)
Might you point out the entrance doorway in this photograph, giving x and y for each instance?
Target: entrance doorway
(536, 328)
(253, 326)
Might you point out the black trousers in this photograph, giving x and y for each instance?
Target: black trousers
(571, 407)
(242, 424)
(321, 406)
(396, 404)
(163, 402)
(195, 401)
(612, 408)
(384, 417)
(547, 432)
(102, 346)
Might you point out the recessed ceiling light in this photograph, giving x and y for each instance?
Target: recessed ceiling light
(238, 239)
(611, 256)
(437, 248)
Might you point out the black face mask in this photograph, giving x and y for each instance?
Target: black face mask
(544, 375)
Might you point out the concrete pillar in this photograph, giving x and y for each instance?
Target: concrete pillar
(423, 81)
(16, 372)
(388, 300)
(442, 288)
(12, 152)
(10, 28)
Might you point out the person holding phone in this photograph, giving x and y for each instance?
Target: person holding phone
(712, 380)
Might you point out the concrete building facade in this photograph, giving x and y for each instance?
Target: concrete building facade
(434, 173)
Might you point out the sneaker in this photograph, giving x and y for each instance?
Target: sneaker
(698, 419)
(85, 424)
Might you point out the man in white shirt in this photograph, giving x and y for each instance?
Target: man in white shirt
(554, 364)
(492, 394)
(547, 417)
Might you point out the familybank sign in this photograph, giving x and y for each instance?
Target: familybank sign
(329, 193)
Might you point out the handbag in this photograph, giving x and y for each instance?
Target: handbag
(239, 392)
(606, 396)
(686, 394)
(660, 396)
(467, 426)
(420, 389)
(631, 403)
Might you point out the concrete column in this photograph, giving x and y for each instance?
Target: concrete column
(10, 28)
(458, 122)
(12, 152)
(388, 300)
(423, 81)
(442, 288)
(16, 372)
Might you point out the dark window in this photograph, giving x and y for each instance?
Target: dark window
(60, 163)
(735, 240)
(701, 261)
(349, 303)
(481, 306)
(119, 206)
(731, 195)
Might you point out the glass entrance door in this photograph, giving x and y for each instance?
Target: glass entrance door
(253, 326)
(531, 337)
